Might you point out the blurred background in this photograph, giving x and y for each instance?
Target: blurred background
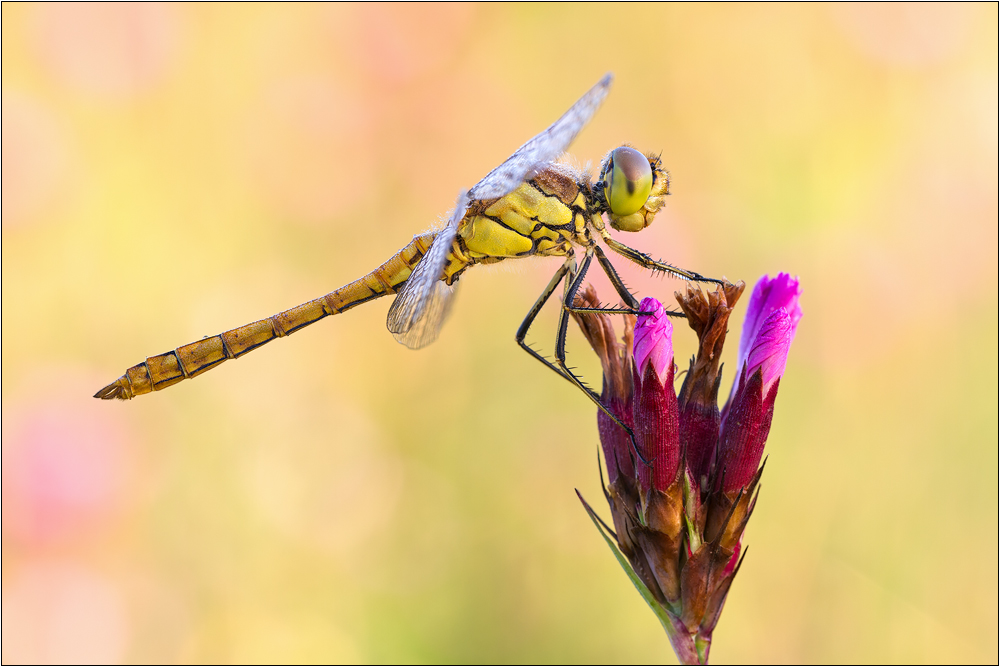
(172, 171)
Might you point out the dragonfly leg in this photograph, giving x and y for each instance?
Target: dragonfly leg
(647, 262)
(522, 331)
(626, 296)
(572, 286)
(623, 291)
(631, 303)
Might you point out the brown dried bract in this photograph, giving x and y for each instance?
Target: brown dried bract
(598, 329)
(708, 315)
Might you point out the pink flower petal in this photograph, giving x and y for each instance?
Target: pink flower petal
(769, 294)
(769, 351)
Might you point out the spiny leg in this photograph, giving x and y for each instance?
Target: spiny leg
(626, 296)
(572, 286)
(568, 267)
(647, 262)
(522, 330)
(632, 304)
(619, 285)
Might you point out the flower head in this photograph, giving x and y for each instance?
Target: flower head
(681, 498)
(769, 350)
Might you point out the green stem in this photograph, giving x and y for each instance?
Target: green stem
(691, 649)
(702, 644)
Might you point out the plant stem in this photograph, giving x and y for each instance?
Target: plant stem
(690, 649)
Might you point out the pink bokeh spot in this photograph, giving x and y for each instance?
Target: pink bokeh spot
(61, 612)
(65, 472)
(35, 159)
(111, 50)
(398, 43)
(310, 139)
(905, 34)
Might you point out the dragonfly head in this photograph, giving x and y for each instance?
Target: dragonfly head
(634, 186)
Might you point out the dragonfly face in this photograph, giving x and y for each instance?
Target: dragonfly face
(528, 206)
(634, 186)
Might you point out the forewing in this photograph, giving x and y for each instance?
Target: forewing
(421, 306)
(544, 147)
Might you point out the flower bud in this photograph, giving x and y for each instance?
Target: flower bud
(654, 406)
(772, 317)
(708, 315)
(769, 294)
(615, 442)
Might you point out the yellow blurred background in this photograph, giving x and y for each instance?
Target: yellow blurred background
(172, 171)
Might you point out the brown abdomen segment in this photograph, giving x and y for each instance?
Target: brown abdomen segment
(195, 358)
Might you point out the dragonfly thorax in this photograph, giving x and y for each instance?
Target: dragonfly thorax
(543, 216)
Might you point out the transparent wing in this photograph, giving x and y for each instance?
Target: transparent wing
(434, 309)
(419, 310)
(544, 147)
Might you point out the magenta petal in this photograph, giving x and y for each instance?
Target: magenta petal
(769, 351)
(653, 339)
(769, 294)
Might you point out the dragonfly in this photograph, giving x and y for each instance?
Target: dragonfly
(528, 206)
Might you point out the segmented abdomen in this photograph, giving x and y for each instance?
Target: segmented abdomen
(195, 358)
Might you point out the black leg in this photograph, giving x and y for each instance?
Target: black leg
(632, 304)
(522, 330)
(647, 262)
(626, 296)
(572, 287)
(576, 277)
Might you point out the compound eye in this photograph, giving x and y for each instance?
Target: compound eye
(627, 181)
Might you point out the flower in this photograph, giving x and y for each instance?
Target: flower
(772, 317)
(680, 498)
(654, 405)
(769, 296)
